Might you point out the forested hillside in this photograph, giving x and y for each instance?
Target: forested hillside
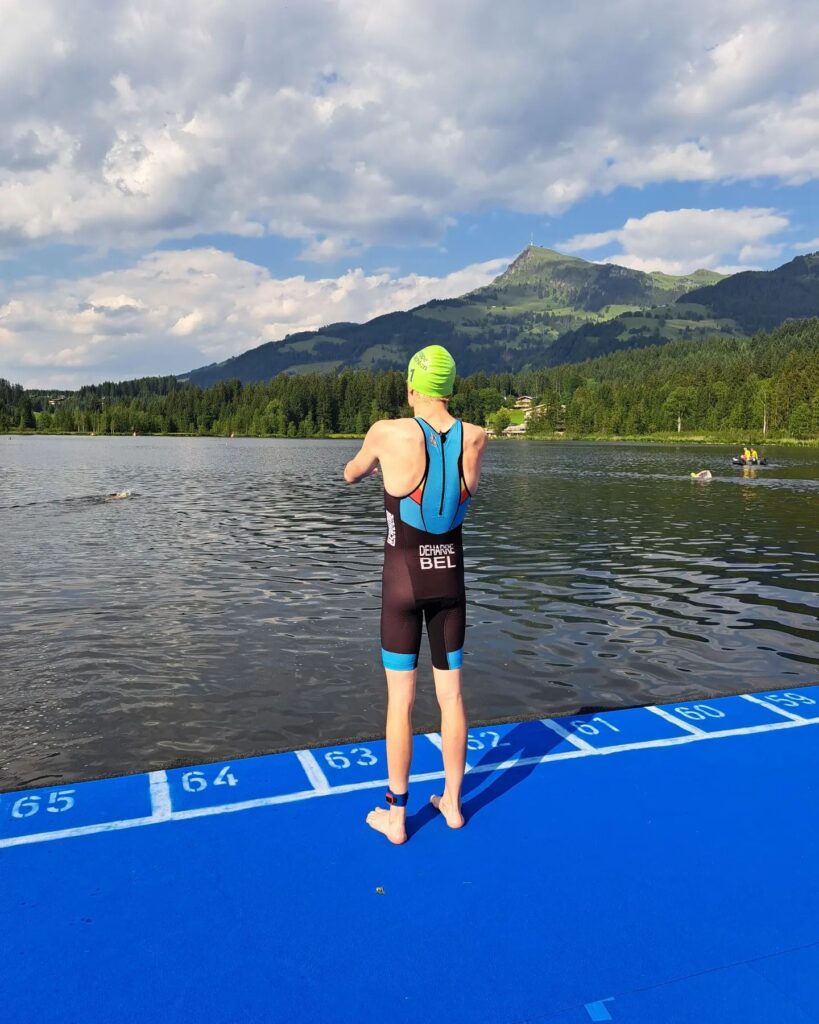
(15, 407)
(762, 299)
(769, 382)
(719, 385)
(737, 306)
(508, 325)
(546, 309)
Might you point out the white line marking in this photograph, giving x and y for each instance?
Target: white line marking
(286, 798)
(746, 730)
(564, 755)
(435, 739)
(566, 735)
(82, 830)
(160, 795)
(773, 707)
(264, 801)
(313, 771)
(675, 721)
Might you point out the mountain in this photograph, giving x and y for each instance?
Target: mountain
(561, 282)
(760, 300)
(738, 306)
(543, 310)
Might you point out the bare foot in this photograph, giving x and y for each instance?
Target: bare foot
(392, 826)
(453, 815)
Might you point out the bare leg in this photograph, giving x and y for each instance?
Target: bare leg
(400, 698)
(453, 743)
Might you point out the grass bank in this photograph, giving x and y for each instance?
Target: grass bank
(740, 440)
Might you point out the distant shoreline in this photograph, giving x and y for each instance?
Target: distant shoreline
(696, 439)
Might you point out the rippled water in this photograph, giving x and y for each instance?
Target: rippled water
(231, 604)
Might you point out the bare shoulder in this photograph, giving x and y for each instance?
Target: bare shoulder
(398, 429)
(386, 428)
(474, 436)
(385, 433)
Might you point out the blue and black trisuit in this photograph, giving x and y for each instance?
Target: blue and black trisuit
(423, 558)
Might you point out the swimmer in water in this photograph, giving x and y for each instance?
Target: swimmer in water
(431, 465)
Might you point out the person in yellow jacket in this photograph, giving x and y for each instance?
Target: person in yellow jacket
(746, 453)
(754, 455)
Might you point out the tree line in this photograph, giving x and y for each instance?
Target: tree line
(769, 383)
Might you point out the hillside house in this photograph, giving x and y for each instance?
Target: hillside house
(533, 409)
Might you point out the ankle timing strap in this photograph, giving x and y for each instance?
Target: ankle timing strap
(397, 799)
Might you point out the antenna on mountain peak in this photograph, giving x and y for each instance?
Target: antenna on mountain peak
(531, 239)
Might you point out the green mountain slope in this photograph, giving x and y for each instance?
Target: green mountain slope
(544, 310)
(560, 282)
(735, 306)
(759, 300)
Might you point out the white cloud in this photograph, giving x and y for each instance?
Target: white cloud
(176, 310)
(680, 241)
(735, 268)
(345, 123)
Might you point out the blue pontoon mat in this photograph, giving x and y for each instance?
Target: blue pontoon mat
(652, 865)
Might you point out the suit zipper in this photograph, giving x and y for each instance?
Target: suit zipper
(443, 475)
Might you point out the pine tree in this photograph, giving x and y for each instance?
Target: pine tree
(25, 414)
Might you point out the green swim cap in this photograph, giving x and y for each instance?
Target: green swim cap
(432, 372)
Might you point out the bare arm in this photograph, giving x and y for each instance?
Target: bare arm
(365, 462)
(475, 444)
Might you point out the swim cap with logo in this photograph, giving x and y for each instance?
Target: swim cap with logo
(432, 372)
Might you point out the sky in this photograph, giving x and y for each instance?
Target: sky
(180, 182)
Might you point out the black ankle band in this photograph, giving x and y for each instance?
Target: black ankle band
(397, 799)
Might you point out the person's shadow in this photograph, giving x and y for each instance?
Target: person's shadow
(486, 781)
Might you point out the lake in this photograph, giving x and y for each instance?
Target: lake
(231, 605)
